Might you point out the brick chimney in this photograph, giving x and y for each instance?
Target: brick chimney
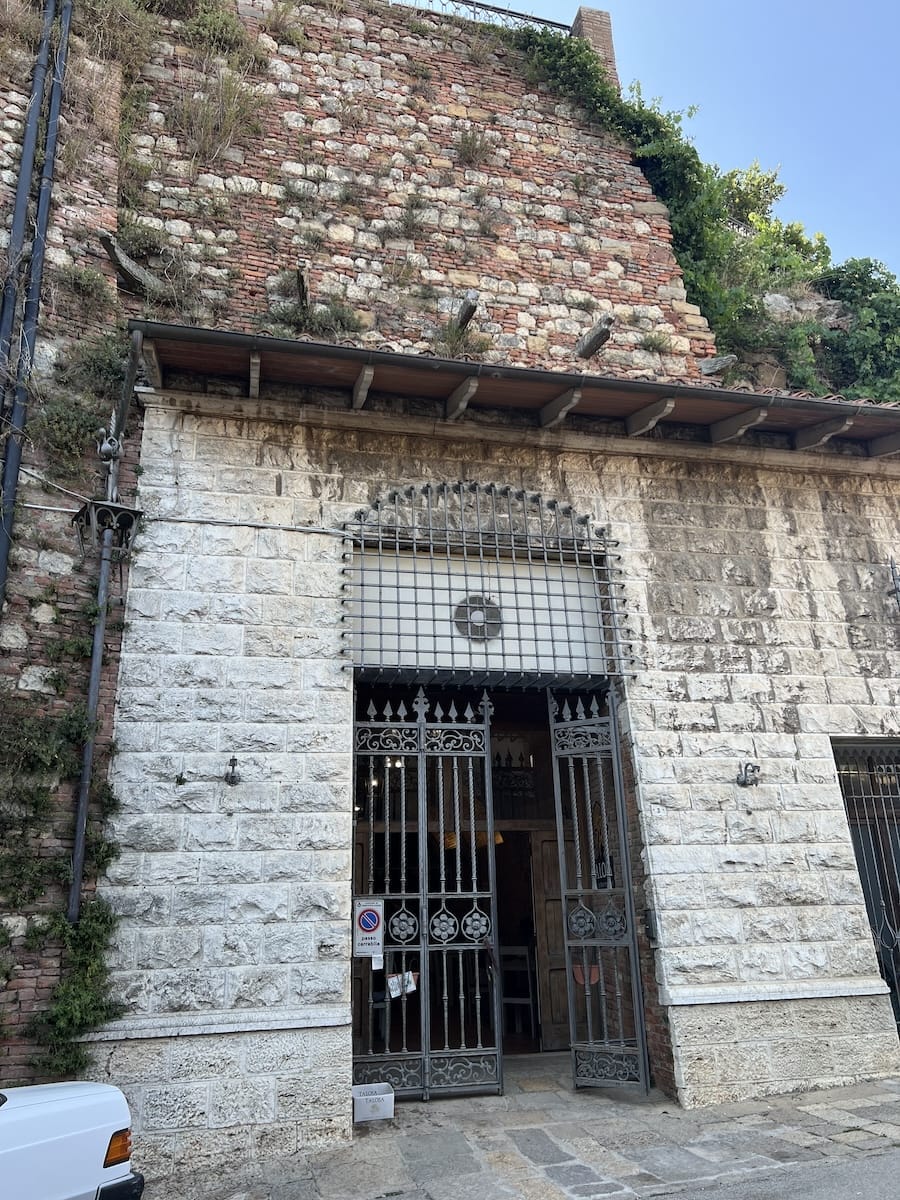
(596, 27)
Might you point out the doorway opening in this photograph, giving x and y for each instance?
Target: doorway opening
(495, 942)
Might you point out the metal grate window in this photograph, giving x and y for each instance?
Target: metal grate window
(481, 584)
(870, 782)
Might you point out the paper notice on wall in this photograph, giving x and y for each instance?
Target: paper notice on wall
(400, 985)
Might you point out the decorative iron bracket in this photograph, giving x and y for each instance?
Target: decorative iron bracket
(95, 517)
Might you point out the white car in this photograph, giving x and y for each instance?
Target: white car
(66, 1141)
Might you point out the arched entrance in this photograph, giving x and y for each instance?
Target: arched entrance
(489, 815)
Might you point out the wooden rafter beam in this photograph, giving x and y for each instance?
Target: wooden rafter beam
(458, 400)
(888, 443)
(818, 435)
(152, 365)
(732, 427)
(648, 418)
(253, 386)
(362, 385)
(554, 412)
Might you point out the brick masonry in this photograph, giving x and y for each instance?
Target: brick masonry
(754, 580)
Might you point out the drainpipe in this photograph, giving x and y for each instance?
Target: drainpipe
(18, 416)
(23, 190)
(87, 756)
(73, 908)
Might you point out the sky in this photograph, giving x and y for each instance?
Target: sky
(811, 88)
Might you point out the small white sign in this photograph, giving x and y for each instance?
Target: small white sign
(368, 928)
(399, 985)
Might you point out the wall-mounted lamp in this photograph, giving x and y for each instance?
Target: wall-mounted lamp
(748, 774)
(231, 775)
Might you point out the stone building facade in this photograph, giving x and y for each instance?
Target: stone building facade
(742, 542)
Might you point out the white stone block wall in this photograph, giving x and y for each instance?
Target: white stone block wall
(233, 951)
(762, 631)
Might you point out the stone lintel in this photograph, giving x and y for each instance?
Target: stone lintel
(732, 427)
(458, 400)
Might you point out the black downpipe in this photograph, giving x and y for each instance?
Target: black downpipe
(18, 416)
(73, 909)
(10, 300)
(87, 755)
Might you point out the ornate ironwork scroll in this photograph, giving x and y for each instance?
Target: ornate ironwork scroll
(489, 585)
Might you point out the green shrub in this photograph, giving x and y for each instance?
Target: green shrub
(281, 23)
(217, 32)
(472, 148)
(656, 342)
(89, 286)
(326, 319)
(213, 120)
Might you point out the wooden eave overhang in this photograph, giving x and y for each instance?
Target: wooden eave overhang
(256, 362)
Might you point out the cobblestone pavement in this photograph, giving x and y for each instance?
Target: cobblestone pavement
(542, 1141)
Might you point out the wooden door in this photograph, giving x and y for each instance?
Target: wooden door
(553, 995)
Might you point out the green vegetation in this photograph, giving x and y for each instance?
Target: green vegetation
(81, 1000)
(453, 342)
(38, 750)
(730, 246)
(656, 342)
(89, 286)
(281, 23)
(214, 30)
(472, 148)
(293, 312)
(211, 120)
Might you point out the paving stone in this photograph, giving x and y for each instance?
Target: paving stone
(571, 1174)
(537, 1146)
(450, 1151)
(473, 1187)
(441, 1166)
(792, 1154)
(599, 1189)
(433, 1147)
(673, 1164)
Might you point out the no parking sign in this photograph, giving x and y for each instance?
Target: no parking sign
(368, 928)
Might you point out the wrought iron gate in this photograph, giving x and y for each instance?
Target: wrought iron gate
(605, 1004)
(870, 782)
(424, 844)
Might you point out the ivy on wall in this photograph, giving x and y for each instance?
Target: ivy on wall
(730, 246)
(40, 752)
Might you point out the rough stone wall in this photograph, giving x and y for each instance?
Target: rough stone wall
(233, 648)
(401, 159)
(47, 615)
